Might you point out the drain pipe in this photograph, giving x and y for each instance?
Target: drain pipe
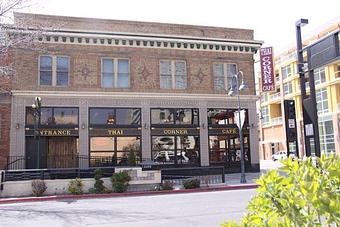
(2, 179)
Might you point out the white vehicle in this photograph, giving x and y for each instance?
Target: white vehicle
(279, 155)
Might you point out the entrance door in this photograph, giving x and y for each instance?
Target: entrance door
(32, 153)
(62, 152)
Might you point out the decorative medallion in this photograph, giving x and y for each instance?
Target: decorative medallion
(85, 71)
(200, 75)
(144, 72)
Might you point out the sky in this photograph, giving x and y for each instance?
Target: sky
(272, 21)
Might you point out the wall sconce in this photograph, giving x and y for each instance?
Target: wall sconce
(17, 126)
(83, 126)
(203, 125)
(145, 125)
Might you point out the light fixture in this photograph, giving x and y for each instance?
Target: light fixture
(145, 125)
(17, 126)
(83, 125)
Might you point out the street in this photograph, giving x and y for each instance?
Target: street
(193, 209)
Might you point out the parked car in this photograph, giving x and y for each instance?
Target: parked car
(279, 155)
(169, 156)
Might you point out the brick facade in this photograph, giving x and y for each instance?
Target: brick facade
(86, 41)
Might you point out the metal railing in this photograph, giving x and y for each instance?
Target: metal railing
(68, 161)
(275, 96)
(276, 120)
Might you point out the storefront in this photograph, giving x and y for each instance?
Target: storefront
(175, 136)
(224, 143)
(56, 135)
(114, 136)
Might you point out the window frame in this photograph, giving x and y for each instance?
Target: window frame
(285, 68)
(54, 125)
(174, 124)
(115, 125)
(54, 70)
(318, 78)
(115, 72)
(225, 75)
(173, 74)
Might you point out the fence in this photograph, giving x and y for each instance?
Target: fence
(207, 175)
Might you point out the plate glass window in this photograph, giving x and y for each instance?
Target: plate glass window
(45, 70)
(223, 75)
(62, 71)
(173, 74)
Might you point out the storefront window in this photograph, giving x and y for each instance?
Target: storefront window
(224, 117)
(174, 116)
(66, 116)
(175, 149)
(128, 116)
(115, 116)
(111, 151)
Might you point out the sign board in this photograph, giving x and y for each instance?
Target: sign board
(242, 115)
(267, 69)
(309, 130)
(291, 123)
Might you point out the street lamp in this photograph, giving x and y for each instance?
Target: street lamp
(235, 90)
(309, 106)
(36, 106)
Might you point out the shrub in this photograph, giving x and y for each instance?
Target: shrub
(132, 158)
(191, 183)
(99, 184)
(76, 186)
(306, 194)
(38, 187)
(167, 185)
(120, 181)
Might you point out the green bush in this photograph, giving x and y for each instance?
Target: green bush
(306, 193)
(132, 158)
(167, 185)
(76, 186)
(99, 183)
(120, 181)
(38, 187)
(191, 183)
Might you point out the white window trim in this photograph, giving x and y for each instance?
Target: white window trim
(317, 76)
(115, 72)
(225, 76)
(286, 70)
(173, 75)
(54, 70)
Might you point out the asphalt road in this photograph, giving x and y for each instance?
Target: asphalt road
(175, 210)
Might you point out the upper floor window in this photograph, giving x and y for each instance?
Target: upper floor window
(115, 73)
(287, 88)
(321, 100)
(173, 74)
(286, 71)
(54, 70)
(319, 76)
(223, 74)
(265, 115)
(181, 116)
(115, 116)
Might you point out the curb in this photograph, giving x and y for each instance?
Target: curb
(127, 194)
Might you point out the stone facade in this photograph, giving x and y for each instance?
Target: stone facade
(86, 41)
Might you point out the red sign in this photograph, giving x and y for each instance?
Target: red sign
(267, 69)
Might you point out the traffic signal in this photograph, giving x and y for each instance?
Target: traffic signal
(290, 120)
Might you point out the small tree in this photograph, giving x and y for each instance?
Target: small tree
(76, 186)
(120, 181)
(306, 194)
(99, 183)
(38, 187)
(132, 158)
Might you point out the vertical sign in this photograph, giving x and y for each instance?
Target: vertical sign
(267, 70)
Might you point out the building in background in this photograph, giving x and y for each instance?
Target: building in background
(287, 87)
(112, 90)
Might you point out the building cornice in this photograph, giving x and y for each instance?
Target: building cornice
(133, 95)
(141, 40)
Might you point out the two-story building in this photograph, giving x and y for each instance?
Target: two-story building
(118, 92)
